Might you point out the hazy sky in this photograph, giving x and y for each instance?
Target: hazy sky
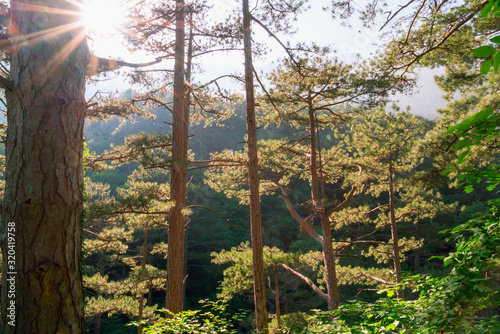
(315, 25)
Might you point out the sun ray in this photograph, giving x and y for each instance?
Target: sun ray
(99, 18)
(103, 17)
(71, 29)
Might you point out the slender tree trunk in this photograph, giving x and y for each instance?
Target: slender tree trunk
(176, 223)
(319, 207)
(143, 266)
(97, 324)
(253, 181)
(394, 230)
(330, 265)
(97, 318)
(43, 204)
(277, 298)
(150, 296)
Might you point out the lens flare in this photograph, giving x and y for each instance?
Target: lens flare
(103, 18)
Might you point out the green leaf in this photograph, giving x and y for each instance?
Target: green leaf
(486, 66)
(469, 188)
(447, 171)
(461, 144)
(484, 51)
(463, 157)
(496, 62)
(487, 8)
(496, 39)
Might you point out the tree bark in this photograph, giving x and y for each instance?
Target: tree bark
(43, 203)
(309, 282)
(253, 181)
(143, 266)
(97, 324)
(394, 231)
(319, 207)
(276, 297)
(176, 223)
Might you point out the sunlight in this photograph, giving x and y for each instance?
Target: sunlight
(103, 18)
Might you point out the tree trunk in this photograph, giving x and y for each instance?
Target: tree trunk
(330, 265)
(277, 298)
(394, 231)
(43, 204)
(143, 266)
(319, 207)
(176, 223)
(97, 318)
(253, 181)
(97, 324)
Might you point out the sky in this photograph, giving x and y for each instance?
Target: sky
(314, 25)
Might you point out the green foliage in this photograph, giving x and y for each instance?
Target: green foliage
(465, 298)
(213, 321)
(487, 51)
(465, 301)
(238, 276)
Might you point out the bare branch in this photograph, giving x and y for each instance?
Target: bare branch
(376, 279)
(374, 209)
(98, 65)
(405, 213)
(6, 84)
(306, 226)
(391, 17)
(308, 281)
(215, 212)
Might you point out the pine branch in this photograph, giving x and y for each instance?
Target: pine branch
(308, 281)
(99, 65)
(306, 226)
(376, 279)
(6, 84)
(348, 198)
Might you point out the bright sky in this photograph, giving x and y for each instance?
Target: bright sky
(105, 17)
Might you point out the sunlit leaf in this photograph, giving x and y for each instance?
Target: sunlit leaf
(484, 51)
(486, 66)
(496, 62)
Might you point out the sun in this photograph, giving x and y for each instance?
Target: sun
(103, 18)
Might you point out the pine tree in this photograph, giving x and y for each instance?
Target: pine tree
(386, 146)
(44, 179)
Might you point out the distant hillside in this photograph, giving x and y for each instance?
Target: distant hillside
(427, 97)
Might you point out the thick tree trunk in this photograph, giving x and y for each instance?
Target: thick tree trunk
(319, 207)
(394, 231)
(42, 212)
(253, 181)
(176, 223)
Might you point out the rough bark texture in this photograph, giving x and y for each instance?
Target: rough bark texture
(394, 231)
(180, 132)
(44, 176)
(328, 254)
(253, 181)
